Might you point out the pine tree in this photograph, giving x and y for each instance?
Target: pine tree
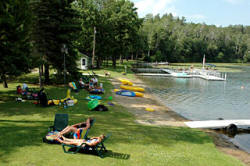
(14, 38)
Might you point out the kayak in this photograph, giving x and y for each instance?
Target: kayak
(126, 93)
(137, 94)
(132, 88)
(149, 109)
(94, 97)
(126, 82)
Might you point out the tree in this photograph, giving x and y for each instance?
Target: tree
(56, 24)
(14, 38)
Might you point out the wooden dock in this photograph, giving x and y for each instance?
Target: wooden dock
(205, 77)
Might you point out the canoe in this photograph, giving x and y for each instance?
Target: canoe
(132, 88)
(126, 93)
(126, 82)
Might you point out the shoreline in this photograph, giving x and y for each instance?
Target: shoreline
(164, 116)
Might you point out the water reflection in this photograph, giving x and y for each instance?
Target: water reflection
(198, 99)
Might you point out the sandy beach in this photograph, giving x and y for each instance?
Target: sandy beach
(162, 115)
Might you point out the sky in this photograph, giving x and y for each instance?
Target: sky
(211, 12)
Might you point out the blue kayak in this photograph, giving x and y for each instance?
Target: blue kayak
(95, 97)
(126, 93)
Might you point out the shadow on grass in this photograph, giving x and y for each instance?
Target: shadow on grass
(116, 155)
(17, 134)
(108, 154)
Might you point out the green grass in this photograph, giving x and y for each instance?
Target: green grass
(22, 126)
(117, 72)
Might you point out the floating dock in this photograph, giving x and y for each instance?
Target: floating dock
(217, 123)
(197, 74)
(209, 78)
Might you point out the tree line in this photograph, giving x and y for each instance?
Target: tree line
(42, 33)
(173, 39)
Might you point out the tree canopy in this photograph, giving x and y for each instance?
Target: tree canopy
(32, 33)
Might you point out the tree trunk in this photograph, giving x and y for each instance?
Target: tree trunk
(148, 53)
(99, 62)
(40, 76)
(136, 56)
(46, 73)
(121, 59)
(5, 85)
(114, 62)
(93, 53)
(132, 56)
(42, 69)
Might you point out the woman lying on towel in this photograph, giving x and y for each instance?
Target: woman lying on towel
(78, 142)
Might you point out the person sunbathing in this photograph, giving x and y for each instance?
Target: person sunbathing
(78, 142)
(76, 128)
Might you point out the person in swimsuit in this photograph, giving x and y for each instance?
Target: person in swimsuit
(76, 129)
(91, 142)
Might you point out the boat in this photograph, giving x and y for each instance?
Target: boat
(126, 93)
(137, 94)
(94, 97)
(126, 82)
(132, 88)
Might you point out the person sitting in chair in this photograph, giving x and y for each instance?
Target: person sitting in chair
(78, 142)
(76, 129)
(81, 83)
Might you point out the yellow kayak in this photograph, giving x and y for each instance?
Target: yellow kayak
(126, 82)
(138, 94)
(132, 88)
(149, 109)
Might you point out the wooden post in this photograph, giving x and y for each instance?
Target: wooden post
(93, 53)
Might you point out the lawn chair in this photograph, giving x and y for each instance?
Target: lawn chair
(60, 122)
(99, 149)
(73, 87)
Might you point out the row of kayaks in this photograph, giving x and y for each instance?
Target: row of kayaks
(128, 90)
(131, 91)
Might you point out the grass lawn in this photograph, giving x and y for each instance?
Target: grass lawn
(22, 126)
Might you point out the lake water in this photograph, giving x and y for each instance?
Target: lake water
(199, 99)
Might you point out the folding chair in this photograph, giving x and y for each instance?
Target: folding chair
(60, 122)
(99, 148)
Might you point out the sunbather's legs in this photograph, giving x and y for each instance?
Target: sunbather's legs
(68, 129)
(87, 123)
